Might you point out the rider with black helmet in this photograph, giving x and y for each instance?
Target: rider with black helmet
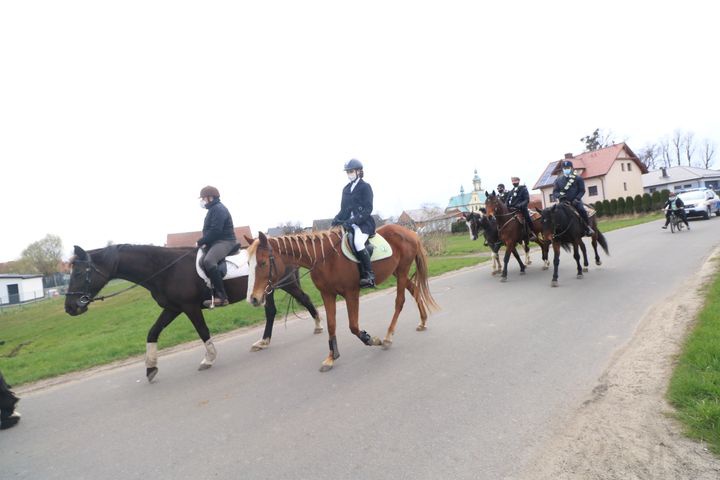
(502, 193)
(356, 217)
(570, 187)
(218, 239)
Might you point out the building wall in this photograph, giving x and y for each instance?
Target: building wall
(621, 181)
(28, 289)
(708, 182)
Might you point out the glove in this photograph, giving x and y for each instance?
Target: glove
(348, 225)
(335, 222)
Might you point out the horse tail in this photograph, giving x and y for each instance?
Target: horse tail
(420, 278)
(603, 243)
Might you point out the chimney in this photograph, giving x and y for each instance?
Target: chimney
(664, 172)
(568, 156)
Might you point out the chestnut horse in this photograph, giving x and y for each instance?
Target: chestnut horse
(512, 232)
(170, 276)
(333, 274)
(479, 223)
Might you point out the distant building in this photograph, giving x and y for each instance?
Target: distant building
(680, 178)
(468, 202)
(609, 173)
(189, 239)
(15, 288)
(326, 223)
(425, 220)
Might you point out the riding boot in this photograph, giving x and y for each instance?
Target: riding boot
(220, 296)
(367, 276)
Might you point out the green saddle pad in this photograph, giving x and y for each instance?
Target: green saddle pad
(381, 248)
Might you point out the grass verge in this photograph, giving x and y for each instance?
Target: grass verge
(610, 224)
(695, 385)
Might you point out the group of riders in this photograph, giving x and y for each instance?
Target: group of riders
(568, 188)
(355, 216)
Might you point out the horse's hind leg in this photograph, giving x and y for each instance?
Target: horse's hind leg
(576, 256)
(151, 351)
(527, 253)
(402, 284)
(198, 321)
(556, 262)
(517, 257)
(422, 326)
(302, 297)
(594, 245)
(330, 310)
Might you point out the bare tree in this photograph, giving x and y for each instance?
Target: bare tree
(708, 152)
(689, 147)
(677, 143)
(290, 228)
(649, 155)
(664, 147)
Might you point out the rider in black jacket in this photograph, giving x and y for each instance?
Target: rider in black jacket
(356, 217)
(570, 187)
(518, 199)
(219, 239)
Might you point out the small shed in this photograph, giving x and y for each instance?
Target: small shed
(17, 288)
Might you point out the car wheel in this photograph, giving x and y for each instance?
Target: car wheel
(706, 215)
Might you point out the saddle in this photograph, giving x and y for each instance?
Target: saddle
(233, 266)
(377, 246)
(521, 218)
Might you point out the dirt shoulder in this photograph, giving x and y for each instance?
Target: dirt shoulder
(625, 429)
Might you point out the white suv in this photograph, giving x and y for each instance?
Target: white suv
(700, 202)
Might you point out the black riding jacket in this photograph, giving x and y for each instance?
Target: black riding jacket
(518, 198)
(678, 204)
(218, 224)
(357, 206)
(569, 188)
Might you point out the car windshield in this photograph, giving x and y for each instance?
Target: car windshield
(692, 196)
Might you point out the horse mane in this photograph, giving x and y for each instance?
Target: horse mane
(303, 245)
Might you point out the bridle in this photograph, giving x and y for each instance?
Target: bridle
(86, 295)
(284, 281)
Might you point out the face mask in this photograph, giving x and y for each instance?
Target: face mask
(567, 171)
(516, 185)
(202, 203)
(352, 176)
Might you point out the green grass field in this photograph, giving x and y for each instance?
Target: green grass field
(695, 386)
(610, 224)
(42, 341)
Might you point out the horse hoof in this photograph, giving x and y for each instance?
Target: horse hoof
(318, 330)
(386, 344)
(545, 267)
(260, 345)
(421, 328)
(579, 276)
(503, 279)
(523, 272)
(376, 342)
(150, 373)
(204, 366)
(554, 283)
(585, 269)
(326, 368)
(598, 262)
(494, 273)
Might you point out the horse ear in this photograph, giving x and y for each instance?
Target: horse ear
(263, 239)
(249, 240)
(493, 193)
(80, 253)
(483, 210)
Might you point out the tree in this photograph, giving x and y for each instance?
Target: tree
(656, 200)
(708, 152)
(647, 202)
(290, 228)
(677, 144)
(649, 155)
(664, 146)
(613, 206)
(44, 255)
(689, 147)
(599, 211)
(620, 206)
(607, 208)
(629, 205)
(639, 207)
(597, 139)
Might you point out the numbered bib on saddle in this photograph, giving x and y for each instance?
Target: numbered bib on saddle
(381, 248)
(234, 266)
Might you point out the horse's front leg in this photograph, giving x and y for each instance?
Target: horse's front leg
(302, 297)
(330, 310)
(497, 266)
(594, 245)
(352, 301)
(545, 248)
(576, 256)
(520, 263)
(151, 350)
(527, 252)
(584, 254)
(402, 284)
(270, 312)
(556, 262)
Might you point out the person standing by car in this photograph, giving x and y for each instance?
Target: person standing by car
(674, 205)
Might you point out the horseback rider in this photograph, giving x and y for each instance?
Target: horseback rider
(502, 193)
(518, 199)
(674, 204)
(356, 218)
(570, 187)
(218, 240)
(8, 416)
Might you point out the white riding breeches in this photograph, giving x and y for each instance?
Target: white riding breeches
(360, 238)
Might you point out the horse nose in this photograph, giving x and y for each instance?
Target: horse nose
(254, 301)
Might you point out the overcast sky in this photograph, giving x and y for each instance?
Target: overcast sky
(113, 115)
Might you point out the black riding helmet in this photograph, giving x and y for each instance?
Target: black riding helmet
(353, 165)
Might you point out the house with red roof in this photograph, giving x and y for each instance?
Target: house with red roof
(609, 173)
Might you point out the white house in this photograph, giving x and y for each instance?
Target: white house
(16, 288)
(680, 178)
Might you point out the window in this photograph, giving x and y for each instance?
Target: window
(687, 186)
(677, 187)
(625, 186)
(623, 166)
(629, 167)
(652, 189)
(592, 191)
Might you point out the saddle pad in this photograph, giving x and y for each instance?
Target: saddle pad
(381, 248)
(237, 266)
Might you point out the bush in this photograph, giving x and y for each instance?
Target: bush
(629, 205)
(638, 203)
(620, 206)
(613, 206)
(647, 202)
(435, 243)
(598, 206)
(459, 227)
(657, 201)
(607, 209)
(664, 195)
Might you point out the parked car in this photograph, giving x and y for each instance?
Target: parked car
(700, 202)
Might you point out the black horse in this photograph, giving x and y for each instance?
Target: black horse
(171, 277)
(563, 225)
(481, 224)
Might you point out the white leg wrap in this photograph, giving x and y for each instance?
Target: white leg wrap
(151, 355)
(210, 354)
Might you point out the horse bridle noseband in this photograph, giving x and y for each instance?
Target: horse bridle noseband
(284, 281)
(86, 295)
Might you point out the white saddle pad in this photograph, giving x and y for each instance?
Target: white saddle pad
(237, 266)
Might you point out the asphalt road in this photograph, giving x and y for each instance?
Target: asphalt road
(499, 370)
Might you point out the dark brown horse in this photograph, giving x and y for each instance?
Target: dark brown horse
(170, 276)
(562, 224)
(480, 224)
(512, 231)
(333, 274)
